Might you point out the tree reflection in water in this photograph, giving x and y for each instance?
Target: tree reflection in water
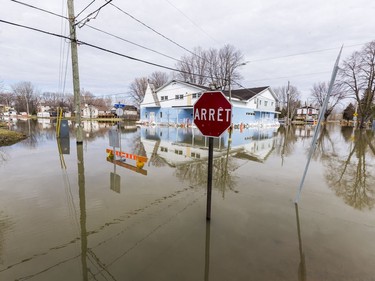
(287, 138)
(4, 156)
(352, 177)
(196, 173)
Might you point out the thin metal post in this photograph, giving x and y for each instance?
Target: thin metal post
(209, 176)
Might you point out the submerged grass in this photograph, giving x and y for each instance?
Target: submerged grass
(9, 137)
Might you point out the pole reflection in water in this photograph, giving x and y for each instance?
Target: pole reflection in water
(207, 252)
(82, 207)
(302, 263)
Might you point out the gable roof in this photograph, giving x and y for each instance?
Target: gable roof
(200, 87)
(245, 94)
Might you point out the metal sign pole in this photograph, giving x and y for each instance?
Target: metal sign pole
(209, 176)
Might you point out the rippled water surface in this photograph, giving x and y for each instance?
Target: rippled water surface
(76, 212)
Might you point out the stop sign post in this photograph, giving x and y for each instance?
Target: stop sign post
(213, 116)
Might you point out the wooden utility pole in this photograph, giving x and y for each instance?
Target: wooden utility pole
(76, 86)
(288, 105)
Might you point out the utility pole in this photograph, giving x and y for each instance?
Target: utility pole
(76, 86)
(287, 105)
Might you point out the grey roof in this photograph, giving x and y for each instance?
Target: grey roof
(245, 94)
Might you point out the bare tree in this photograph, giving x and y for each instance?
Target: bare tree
(217, 67)
(139, 85)
(293, 102)
(358, 79)
(320, 91)
(193, 67)
(26, 96)
(226, 71)
(7, 98)
(158, 78)
(137, 90)
(87, 97)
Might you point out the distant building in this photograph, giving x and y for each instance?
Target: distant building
(307, 113)
(90, 111)
(172, 104)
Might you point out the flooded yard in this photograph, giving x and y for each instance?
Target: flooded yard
(81, 212)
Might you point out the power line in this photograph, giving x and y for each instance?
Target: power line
(304, 53)
(85, 8)
(87, 18)
(254, 60)
(101, 48)
(157, 32)
(130, 42)
(37, 8)
(189, 19)
(294, 75)
(133, 58)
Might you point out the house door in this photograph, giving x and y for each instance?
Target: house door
(152, 117)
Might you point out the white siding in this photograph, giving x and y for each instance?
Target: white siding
(148, 100)
(167, 95)
(263, 101)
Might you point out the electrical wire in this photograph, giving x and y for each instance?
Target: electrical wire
(85, 8)
(114, 52)
(87, 18)
(140, 60)
(189, 19)
(155, 31)
(40, 9)
(130, 42)
(253, 60)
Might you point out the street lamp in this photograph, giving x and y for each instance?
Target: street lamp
(229, 77)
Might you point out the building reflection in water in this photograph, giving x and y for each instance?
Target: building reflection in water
(186, 150)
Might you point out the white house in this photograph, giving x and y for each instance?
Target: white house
(307, 114)
(90, 111)
(172, 104)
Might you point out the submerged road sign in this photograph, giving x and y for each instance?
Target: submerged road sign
(212, 114)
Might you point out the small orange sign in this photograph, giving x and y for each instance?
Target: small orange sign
(127, 155)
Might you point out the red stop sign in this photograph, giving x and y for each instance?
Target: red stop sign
(212, 114)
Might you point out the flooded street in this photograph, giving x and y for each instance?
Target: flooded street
(78, 212)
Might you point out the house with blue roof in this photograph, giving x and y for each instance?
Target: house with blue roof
(172, 104)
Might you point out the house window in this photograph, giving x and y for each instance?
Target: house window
(271, 103)
(161, 114)
(146, 114)
(265, 103)
(260, 102)
(255, 101)
(164, 97)
(196, 95)
(195, 155)
(179, 97)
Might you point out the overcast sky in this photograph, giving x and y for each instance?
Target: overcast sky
(281, 40)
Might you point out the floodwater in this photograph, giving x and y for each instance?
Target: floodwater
(76, 212)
